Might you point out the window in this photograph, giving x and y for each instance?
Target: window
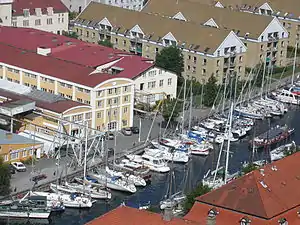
(124, 123)
(24, 153)
(125, 109)
(37, 22)
(87, 33)
(151, 84)
(110, 91)
(116, 40)
(282, 44)
(124, 42)
(79, 100)
(116, 100)
(126, 99)
(188, 67)
(87, 102)
(126, 88)
(99, 104)
(49, 21)
(203, 71)
(241, 59)
(14, 24)
(161, 83)
(9, 79)
(79, 89)
(245, 221)
(99, 93)
(25, 23)
(88, 115)
(99, 115)
(170, 81)
(14, 156)
(5, 158)
(204, 62)
(195, 59)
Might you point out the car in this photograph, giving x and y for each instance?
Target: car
(12, 169)
(135, 130)
(126, 131)
(110, 136)
(18, 166)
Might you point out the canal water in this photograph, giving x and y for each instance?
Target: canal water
(195, 171)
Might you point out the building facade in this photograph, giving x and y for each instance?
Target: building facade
(266, 40)
(51, 16)
(79, 5)
(207, 51)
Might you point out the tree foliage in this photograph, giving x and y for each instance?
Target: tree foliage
(190, 198)
(106, 43)
(211, 91)
(248, 168)
(73, 15)
(170, 58)
(167, 108)
(70, 34)
(4, 178)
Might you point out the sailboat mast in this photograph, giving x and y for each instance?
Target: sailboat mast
(294, 63)
(263, 77)
(85, 153)
(191, 105)
(228, 144)
(183, 107)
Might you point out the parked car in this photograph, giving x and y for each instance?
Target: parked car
(12, 169)
(39, 177)
(126, 131)
(135, 130)
(18, 166)
(110, 136)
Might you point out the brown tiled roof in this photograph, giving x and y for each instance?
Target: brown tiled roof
(124, 215)
(200, 13)
(201, 37)
(292, 7)
(264, 193)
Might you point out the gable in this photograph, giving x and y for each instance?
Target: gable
(179, 16)
(211, 22)
(266, 6)
(137, 29)
(230, 41)
(170, 36)
(219, 5)
(274, 26)
(105, 22)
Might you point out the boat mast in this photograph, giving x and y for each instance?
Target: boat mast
(191, 104)
(228, 143)
(224, 94)
(294, 63)
(183, 106)
(85, 154)
(263, 77)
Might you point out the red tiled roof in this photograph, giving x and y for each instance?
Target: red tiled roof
(19, 5)
(264, 193)
(124, 215)
(59, 106)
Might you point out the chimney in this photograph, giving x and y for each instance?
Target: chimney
(8, 135)
(168, 214)
(211, 217)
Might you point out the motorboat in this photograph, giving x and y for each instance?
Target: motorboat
(286, 96)
(136, 180)
(175, 156)
(155, 162)
(113, 182)
(282, 151)
(201, 149)
(73, 200)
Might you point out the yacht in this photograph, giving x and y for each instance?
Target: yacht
(155, 162)
(94, 192)
(69, 200)
(286, 96)
(136, 180)
(175, 156)
(113, 182)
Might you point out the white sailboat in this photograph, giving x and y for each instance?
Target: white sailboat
(72, 200)
(180, 157)
(94, 192)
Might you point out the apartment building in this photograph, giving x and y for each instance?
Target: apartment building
(265, 37)
(288, 12)
(46, 15)
(15, 147)
(79, 5)
(207, 51)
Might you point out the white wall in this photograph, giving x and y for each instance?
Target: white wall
(155, 75)
(273, 27)
(5, 14)
(60, 22)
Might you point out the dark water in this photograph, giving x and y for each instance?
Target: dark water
(195, 169)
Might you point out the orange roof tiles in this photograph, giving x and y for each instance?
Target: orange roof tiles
(124, 215)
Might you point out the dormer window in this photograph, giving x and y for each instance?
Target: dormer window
(283, 221)
(26, 12)
(38, 11)
(245, 221)
(213, 213)
(263, 11)
(50, 11)
(168, 42)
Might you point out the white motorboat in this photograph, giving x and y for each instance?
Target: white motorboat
(94, 192)
(133, 167)
(282, 151)
(113, 182)
(227, 137)
(201, 149)
(239, 132)
(136, 180)
(286, 96)
(176, 156)
(69, 200)
(156, 163)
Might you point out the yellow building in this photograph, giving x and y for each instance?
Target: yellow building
(288, 12)
(265, 37)
(14, 147)
(104, 94)
(207, 51)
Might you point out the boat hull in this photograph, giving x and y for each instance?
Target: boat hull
(25, 214)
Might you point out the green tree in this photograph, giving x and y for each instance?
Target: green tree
(211, 91)
(4, 178)
(190, 198)
(167, 108)
(170, 58)
(106, 43)
(70, 34)
(248, 168)
(73, 15)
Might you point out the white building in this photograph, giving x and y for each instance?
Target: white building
(46, 15)
(155, 84)
(79, 5)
